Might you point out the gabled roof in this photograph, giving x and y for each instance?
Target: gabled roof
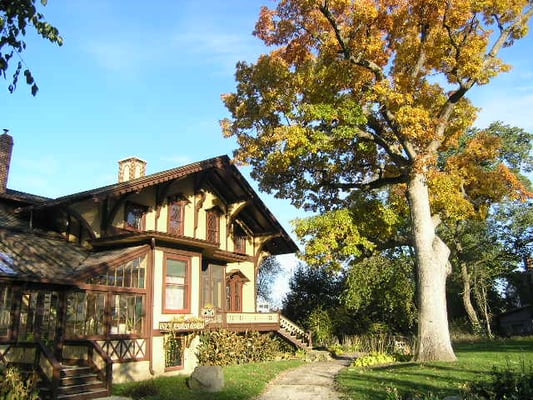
(224, 179)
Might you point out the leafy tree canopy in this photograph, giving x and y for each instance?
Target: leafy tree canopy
(15, 17)
(350, 111)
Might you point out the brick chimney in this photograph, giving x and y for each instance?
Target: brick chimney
(6, 148)
(131, 168)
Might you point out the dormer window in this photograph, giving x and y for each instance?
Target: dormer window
(176, 215)
(134, 216)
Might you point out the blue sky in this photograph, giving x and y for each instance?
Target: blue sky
(145, 78)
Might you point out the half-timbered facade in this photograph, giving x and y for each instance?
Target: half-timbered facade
(122, 277)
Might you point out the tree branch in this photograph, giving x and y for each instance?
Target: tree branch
(375, 184)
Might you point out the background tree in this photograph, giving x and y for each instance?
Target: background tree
(513, 225)
(269, 270)
(481, 256)
(359, 96)
(381, 290)
(15, 17)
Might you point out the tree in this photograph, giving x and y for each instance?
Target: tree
(478, 254)
(269, 270)
(309, 289)
(15, 17)
(364, 95)
(381, 289)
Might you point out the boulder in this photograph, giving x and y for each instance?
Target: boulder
(208, 378)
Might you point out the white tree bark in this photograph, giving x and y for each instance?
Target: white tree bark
(433, 268)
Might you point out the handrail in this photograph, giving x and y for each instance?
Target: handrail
(294, 329)
(106, 374)
(47, 356)
(108, 378)
(56, 366)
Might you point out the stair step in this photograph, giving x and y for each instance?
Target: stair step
(93, 394)
(82, 388)
(79, 379)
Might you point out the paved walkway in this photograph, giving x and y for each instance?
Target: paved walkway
(311, 381)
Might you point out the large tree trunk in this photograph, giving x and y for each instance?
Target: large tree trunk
(433, 268)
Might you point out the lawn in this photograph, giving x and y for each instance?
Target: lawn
(241, 382)
(475, 361)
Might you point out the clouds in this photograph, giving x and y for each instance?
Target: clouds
(183, 36)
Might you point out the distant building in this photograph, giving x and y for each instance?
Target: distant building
(516, 322)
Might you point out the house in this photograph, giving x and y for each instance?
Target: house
(516, 322)
(118, 280)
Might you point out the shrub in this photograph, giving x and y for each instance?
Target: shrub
(222, 347)
(14, 387)
(141, 390)
(374, 359)
(505, 384)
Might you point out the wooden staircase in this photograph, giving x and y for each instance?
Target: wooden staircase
(294, 334)
(77, 380)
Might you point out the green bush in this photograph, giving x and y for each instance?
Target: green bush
(14, 387)
(505, 384)
(222, 347)
(374, 359)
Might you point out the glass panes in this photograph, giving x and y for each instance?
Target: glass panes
(175, 217)
(134, 217)
(5, 309)
(129, 275)
(127, 312)
(176, 284)
(213, 286)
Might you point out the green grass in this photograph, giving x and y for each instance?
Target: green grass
(241, 382)
(475, 360)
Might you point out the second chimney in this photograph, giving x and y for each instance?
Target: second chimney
(6, 148)
(131, 168)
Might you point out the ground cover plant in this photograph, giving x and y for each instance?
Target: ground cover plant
(241, 382)
(484, 361)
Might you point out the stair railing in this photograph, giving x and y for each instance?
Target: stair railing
(42, 360)
(97, 358)
(295, 330)
(49, 365)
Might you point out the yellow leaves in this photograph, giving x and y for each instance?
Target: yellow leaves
(330, 237)
(447, 197)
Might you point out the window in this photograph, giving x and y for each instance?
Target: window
(213, 286)
(129, 275)
(85, 314)
(6, 303)
(213, 226)
(239, 239)
(176, 293)
(176, 216)
(38, 315)
(134, 216)
(127, 314)
(234, 284)
(173, 346)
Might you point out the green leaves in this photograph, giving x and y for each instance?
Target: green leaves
(15, 17)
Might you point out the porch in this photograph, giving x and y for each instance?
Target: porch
(242, 321)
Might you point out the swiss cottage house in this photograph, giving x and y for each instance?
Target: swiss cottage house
(95, 285)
